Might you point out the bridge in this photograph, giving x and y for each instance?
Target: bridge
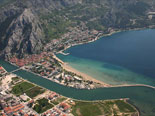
(15, 70)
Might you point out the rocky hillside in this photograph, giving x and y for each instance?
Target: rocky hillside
(23, 35)
(27, 25)
(20, 28)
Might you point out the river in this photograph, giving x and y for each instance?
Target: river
(141, 97)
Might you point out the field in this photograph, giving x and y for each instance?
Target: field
(58, 100)
(35, 91)
(16, 79)
(42, 105)
(28, 88)
(21, 88)
(107, 108)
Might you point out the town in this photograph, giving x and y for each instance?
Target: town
(46, 66)
(75, 36)
(19, 97)
(2, 71)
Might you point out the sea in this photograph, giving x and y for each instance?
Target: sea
(122, 58)
(126, 57)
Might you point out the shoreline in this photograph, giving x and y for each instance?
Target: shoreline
(100, 35)
(11, 75)
(97, 81)
(87, 77)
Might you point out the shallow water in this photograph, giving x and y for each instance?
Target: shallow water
(89, 61)
(123, 58)
(141, 97)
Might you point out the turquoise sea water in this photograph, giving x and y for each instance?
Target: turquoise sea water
(115, 72)
(123, 58)
(141, 97)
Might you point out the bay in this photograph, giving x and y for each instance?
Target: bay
(123, 58)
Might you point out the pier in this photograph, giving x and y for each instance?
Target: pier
(65, 54)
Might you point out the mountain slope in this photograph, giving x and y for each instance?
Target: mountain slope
(24, 35)
(27, 25)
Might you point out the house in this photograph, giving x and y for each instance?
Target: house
(53, 95)
(14, 109)
(65, 107)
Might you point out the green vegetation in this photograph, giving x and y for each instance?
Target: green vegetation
(42, 105)
(26, 87)
(5, 2)
(124, 107)
(71, 73)
(108, 108)
(21, 88)
(57, 25)
(16, 79)
(97, 14)
(86, 109)
(35, 91)
(58, 100)
(139, 8)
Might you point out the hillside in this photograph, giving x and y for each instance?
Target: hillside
(26, 26)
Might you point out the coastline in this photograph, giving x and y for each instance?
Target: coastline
(85, 76)
(88, 77)
(117, 85)
(100, 35)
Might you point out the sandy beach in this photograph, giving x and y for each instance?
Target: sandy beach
(85, 76)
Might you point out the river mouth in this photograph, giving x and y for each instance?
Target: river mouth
(124, 58)
(140, 96)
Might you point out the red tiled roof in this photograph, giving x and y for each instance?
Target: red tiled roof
(53, 95)
(13, 109)
(1, 68)
(15, 114)
(65, 106)
(7, 109)
(3, 114)
(26, 115)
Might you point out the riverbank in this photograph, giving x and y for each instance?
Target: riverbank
(69, 100)
(142, 97)
(87, 77)
(47, 92)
